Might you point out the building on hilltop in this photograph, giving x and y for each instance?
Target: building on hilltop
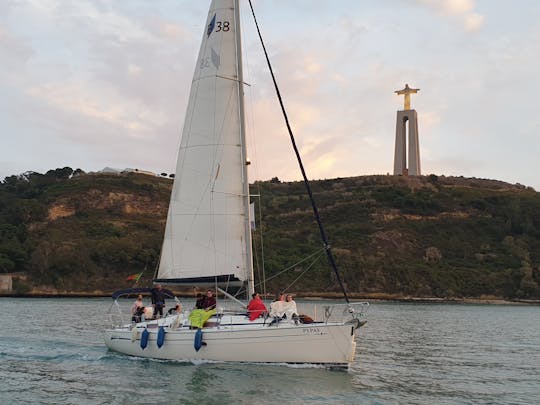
(147, 172)
(110, 170)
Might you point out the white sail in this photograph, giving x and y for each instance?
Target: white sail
(207, 232)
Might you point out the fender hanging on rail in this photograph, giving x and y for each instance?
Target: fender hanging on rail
(198, 340)
(161, 336)
(144, 338)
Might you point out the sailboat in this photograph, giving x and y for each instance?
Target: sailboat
(207, 240)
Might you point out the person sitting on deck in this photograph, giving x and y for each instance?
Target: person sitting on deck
(199, 303)
(205, 307)
(137, 309)
(209, 301)
(277, 308)
(290, 307)
(256, 307)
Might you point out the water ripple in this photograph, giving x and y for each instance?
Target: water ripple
(406, 354)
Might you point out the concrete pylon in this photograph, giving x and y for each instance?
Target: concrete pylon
(407, 118)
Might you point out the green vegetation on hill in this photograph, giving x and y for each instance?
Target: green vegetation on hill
(423, 236)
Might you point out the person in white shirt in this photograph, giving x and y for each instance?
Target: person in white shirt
(277, 308)
(290, 307)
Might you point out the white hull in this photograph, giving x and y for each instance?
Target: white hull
(328, 344)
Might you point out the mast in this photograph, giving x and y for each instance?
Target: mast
(245, 180)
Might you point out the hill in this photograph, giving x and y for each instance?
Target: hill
(429, 236)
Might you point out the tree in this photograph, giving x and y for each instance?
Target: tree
(64, 173)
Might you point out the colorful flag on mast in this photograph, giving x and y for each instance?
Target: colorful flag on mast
(135, 277)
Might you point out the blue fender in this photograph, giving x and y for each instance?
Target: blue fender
(198, 340)
(161, 336)
(144, 338)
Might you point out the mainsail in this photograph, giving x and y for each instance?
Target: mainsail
(207, 235)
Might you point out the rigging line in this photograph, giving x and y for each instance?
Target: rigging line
(255, 246)
(262, 240)
(156, 269)
(302, 274)
(259, 266)
(318, 252)
(306, 181)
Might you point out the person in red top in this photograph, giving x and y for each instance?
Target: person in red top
(256, 307)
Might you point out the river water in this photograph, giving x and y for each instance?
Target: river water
(52, 352)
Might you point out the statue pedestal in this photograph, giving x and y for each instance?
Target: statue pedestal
(401, 167)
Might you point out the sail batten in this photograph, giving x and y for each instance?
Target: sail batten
(205, 235)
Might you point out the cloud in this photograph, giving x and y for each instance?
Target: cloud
(171, 31)
(87, 81)
(455, 6)
(101, 105)
(462, 10)
(14, 51)
(473, 22)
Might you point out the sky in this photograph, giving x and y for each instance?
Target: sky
(104, 83)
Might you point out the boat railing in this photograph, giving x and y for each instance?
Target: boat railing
(116, 316)
(340, 312)
(319, 312)
(119, 318)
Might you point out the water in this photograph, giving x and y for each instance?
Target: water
(51, 352)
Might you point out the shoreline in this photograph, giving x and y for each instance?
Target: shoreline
(313, 296)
